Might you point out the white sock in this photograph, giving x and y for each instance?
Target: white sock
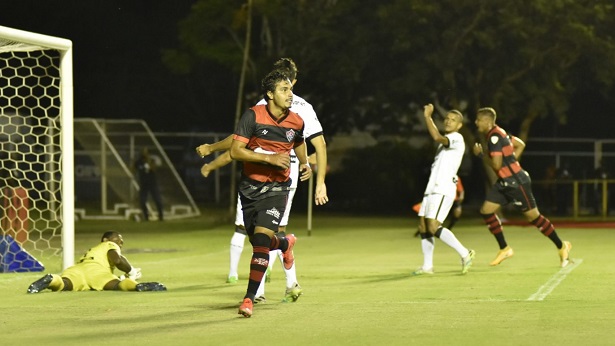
(449, 239)
(291, 274)
(235, 252)
(428, 246)
(273, 254)
(261, 288)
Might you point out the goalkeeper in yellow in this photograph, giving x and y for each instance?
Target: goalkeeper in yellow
(94, 271)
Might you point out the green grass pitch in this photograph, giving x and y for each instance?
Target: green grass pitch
(358, 290)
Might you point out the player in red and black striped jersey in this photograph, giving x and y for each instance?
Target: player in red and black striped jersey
(512, 186)
(263, 140)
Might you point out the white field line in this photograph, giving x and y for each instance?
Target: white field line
(554, 281)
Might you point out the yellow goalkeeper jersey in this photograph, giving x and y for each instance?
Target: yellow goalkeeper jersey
(98, 254)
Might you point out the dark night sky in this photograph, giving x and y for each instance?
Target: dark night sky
(118, 71)
(117, 45)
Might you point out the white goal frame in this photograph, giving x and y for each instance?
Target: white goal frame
(29, 41)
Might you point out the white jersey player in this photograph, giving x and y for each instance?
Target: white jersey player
(441, 189)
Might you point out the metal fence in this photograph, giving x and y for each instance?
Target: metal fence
(573, 176)
(564, 172)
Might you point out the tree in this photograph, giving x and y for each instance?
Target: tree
(374, 63)
(524, 58)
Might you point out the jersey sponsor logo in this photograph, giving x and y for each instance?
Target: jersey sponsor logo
(273, 212)
(290, 135)
(494, 139)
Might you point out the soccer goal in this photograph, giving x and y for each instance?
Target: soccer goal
(36, 147)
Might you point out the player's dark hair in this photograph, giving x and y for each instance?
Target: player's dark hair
(487, 111)
(108, 235)
(271, 80)
(287, 66)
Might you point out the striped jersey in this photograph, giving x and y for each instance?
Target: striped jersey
(312, 129)
(500, 144)
(264, 133)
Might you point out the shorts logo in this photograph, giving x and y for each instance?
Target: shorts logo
(290, 135)
(264, 132)
(264, 189)
(274, 212)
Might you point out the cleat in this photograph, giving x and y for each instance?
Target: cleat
(268, 275)
(422, 271)
(40, 284)
(232, 280)
(260, 300)
(150, 286)
(466, 262)
(564, 253)
(293, 293)
(502, 255)
(245, 308)
(288, 256)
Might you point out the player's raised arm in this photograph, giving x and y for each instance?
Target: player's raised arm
(431, 126)
(207, 149)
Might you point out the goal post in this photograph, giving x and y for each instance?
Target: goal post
(36, 123)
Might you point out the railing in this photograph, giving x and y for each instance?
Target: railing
(577, 197)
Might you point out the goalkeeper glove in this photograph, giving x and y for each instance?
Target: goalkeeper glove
(134, 274)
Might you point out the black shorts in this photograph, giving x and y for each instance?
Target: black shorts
(266, 212)
(514, 191)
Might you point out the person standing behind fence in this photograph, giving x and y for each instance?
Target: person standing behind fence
(145, 167)
(512, 186)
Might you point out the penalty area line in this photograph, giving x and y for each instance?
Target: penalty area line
(554, 281)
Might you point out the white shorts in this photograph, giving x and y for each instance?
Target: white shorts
(283, 222)
(436, 207)
(239, 213)
(294, 171)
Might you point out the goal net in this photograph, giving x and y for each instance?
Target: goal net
(36, 149)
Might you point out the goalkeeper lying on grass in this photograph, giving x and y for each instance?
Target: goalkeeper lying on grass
(94, 272)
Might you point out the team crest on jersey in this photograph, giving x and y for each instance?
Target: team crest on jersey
(494, 139)
(290, 135)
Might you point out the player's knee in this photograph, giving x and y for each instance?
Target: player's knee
(68, 285)
(261, 239)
